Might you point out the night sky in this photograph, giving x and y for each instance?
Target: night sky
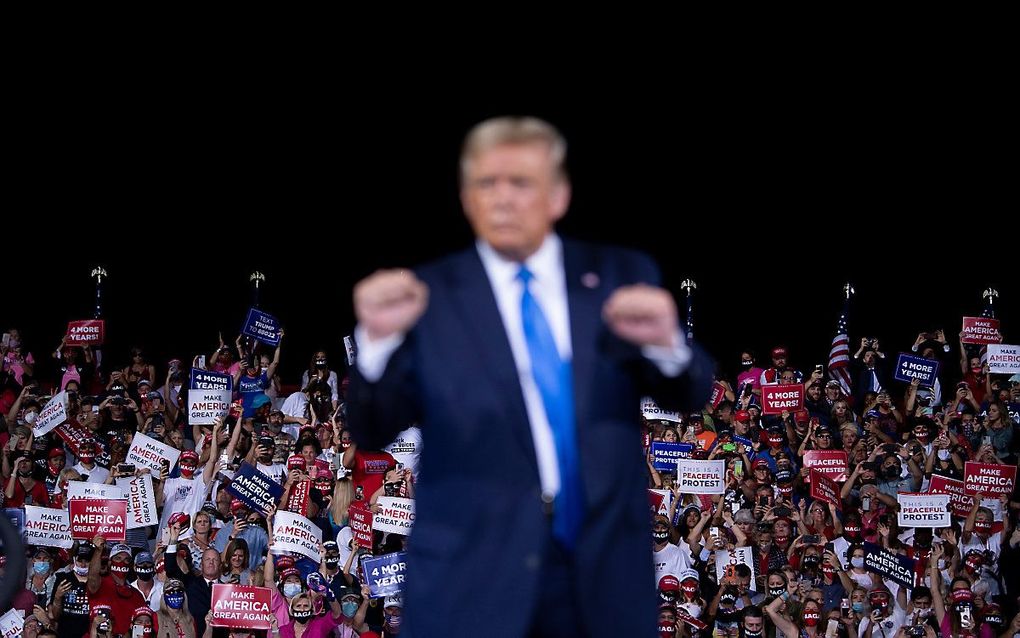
(770, 210)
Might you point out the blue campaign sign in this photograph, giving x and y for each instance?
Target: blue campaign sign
(910, 367)
(385, 574)
(257, 490)
(263, 326)
(206, 380)
(748, 446)
(895, 567)
(17, 518)
(666, 455)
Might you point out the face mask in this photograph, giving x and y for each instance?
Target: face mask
(776, 592)
(30, 417)
(103, 627)
(781, 540)
(857, 561)
(333, 563)
(291, 589)
(667, 631)
(828, 570)
(40, 567)
(119, 568)
(81, 571)
(811, 561)
(746, 364)
(858, 607)
(660, 537)
(982, 527)
(187, 471)
(349, 608)
(86, 456)
(145, 574)
(811, 618)
(775, 442)
(689, 591)
(752, 634)
(174, 600)
(301, 616)
(943, 455)
(394, 621)
(891, 472)
(140, 631)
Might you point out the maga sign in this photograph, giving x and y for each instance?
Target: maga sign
(910, 367)
(776, 399)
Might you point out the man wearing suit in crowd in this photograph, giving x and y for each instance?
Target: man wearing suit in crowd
(523, 359)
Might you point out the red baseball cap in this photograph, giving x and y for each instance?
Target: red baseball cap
(778, 351)
(296, 462)
(742, 415)
(669, 583)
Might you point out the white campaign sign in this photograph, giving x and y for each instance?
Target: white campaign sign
(701, 477)
(148, 452)
(395, 515)
(295, 533)
(1003, 358)
(737, 556)
(923, 510)
(97, 491)
(205, 405)
(653, 412)
(12, 623)
(52, 415)
(141, 501)
(47, 526)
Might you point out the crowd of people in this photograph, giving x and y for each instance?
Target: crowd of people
(808, 573)
(158, 580)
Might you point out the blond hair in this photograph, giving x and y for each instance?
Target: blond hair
(502, 131)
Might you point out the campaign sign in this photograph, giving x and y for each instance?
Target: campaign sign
(74, 434)
(295, 533)
(53, 414)
(104, 518)
(988, 478)
(47, 526)
(98, 491)
(300, 492)
(659, 501)
(147, 452)
(982, 331)
(959, 500)
(735, 556)
(910, 367)
(395, 515)
(141, 500)
(241, 606)
(386, 574)
(895, 567)
(666, 455)
(90, 332)
(832, 463)
(12, 624)
(825, 489)
(1003, 358)
(718, 394)
(701, 477)
(208, 380)
(205, 405)
(254, 488)
(360, 518)
(262, 326)
(653, 412)
(776, 399)
(923, 510)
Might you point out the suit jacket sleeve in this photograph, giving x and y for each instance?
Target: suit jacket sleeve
(377, 412)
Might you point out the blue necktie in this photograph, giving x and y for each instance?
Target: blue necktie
(555, 383)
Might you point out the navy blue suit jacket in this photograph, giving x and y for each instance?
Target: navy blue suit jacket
(481, 527)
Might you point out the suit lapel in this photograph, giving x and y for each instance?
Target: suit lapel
(477, 306)
(584, 301)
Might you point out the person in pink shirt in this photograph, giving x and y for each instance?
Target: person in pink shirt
(750, 374)
(303, 621)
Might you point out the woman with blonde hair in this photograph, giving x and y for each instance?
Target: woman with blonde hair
(173, 617)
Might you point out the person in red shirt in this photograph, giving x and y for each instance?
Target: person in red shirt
(22, 489)
(368, 470)
(114, 590)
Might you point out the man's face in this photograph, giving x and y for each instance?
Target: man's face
(211, 564)
(512, 195)
(753, 624)
(815, 392)
(223, 503)
(779, 361)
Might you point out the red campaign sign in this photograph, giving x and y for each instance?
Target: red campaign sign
(298, 501)
(90, 332)
(832, 463)
(825, 489)
(360, 518)
(718, 394)
(776, 399)
(981, 331)
(241, 606)
(92, 517)
(959, 501)
(74, 434)
(655, 501)
(988, 478)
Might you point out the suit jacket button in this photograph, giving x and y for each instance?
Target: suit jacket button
(532, 561)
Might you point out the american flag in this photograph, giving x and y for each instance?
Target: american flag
(839, 354)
